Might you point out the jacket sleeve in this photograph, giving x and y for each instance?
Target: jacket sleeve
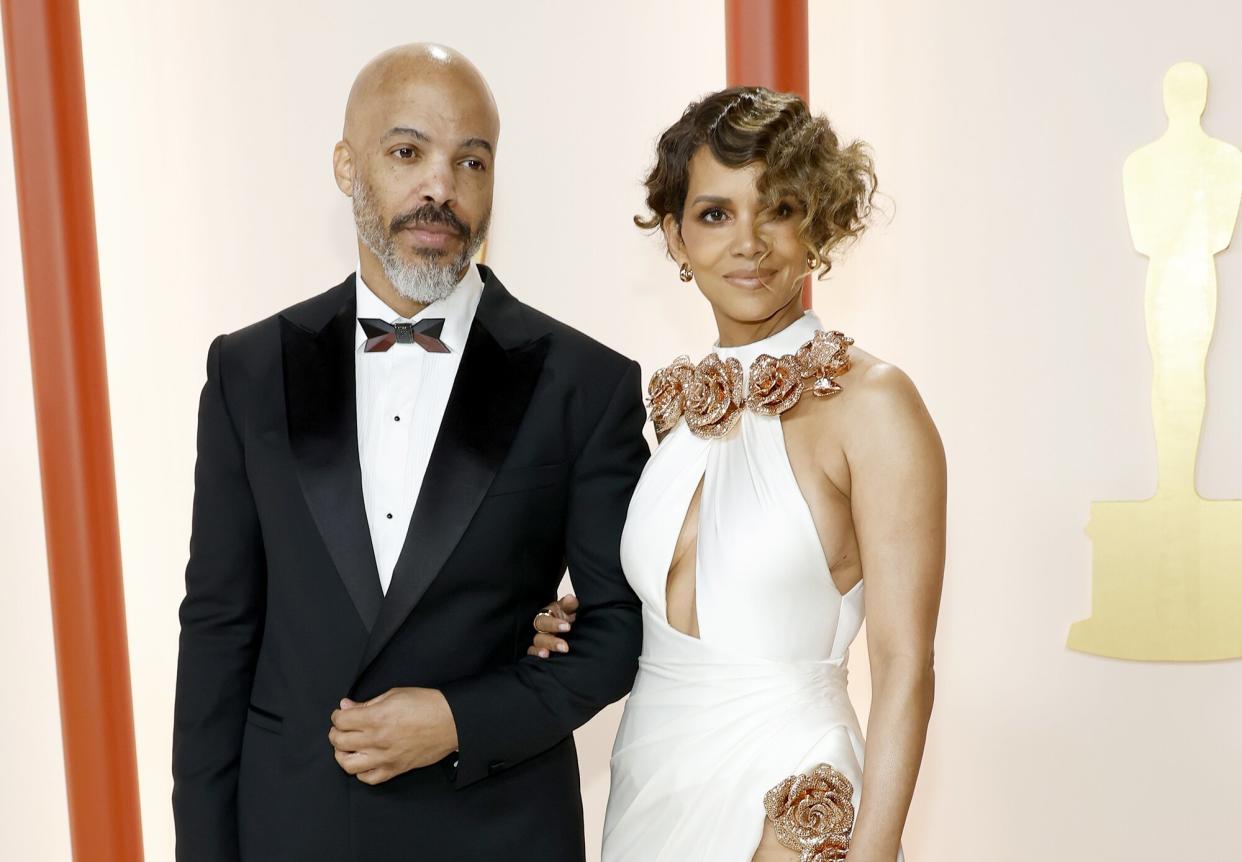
(221, 627)
(513, 713)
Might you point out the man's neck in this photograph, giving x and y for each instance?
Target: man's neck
(373, 277)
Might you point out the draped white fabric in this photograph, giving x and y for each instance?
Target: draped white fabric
(714, 722)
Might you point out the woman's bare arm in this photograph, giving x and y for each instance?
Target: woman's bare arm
(898, 490)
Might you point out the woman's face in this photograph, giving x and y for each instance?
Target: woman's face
(724, 232)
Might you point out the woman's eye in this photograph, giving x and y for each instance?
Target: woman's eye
(782, 210)
(715, 214)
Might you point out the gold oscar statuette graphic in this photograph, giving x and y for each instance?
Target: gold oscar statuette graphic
(1167, 571)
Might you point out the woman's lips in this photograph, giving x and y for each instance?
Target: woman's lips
(749, 278)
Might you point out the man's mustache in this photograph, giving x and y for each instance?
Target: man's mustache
(429, 214)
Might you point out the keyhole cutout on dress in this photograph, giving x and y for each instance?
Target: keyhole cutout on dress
(680, 591)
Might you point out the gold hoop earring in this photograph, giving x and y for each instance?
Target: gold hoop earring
(685, 273)
(812, 262)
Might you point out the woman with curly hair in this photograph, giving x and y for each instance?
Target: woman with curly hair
(793, 467)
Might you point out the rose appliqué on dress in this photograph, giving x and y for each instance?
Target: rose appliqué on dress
(710, 395)
(713, 401)
(775, 385)
(813, 813)
(666, 392)
(823, 359)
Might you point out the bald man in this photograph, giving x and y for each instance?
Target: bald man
(392, 477)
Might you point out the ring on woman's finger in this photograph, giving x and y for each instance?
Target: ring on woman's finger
(543, 613)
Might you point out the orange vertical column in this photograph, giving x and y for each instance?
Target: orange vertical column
(766, 45)
(47, 100)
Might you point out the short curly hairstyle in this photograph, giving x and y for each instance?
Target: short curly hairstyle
(803, 159)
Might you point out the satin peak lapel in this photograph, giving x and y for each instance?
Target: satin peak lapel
(323, 433)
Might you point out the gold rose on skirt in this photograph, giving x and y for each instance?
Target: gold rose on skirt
(710, 395)
(813, 814)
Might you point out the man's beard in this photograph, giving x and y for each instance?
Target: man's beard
(428, 277)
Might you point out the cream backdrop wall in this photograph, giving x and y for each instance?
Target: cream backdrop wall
(1005, 284)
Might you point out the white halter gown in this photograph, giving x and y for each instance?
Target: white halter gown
(714, 722)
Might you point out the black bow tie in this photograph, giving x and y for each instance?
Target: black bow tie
(382, 335)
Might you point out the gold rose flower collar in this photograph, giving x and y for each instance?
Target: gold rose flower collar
(710, 395)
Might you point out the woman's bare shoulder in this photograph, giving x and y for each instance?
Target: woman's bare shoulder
(886, 409)
(881, 403)
(877, 382)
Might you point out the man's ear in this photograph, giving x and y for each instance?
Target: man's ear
(343, 168)
(672, 238)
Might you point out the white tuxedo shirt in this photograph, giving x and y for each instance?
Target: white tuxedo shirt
(401, 397)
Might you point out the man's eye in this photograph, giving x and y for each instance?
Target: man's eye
(475, 164)
(404, 152)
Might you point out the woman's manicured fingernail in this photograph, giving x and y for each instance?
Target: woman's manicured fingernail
(562, 647)
(564, 627)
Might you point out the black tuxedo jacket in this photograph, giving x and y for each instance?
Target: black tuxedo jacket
(537, 456)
